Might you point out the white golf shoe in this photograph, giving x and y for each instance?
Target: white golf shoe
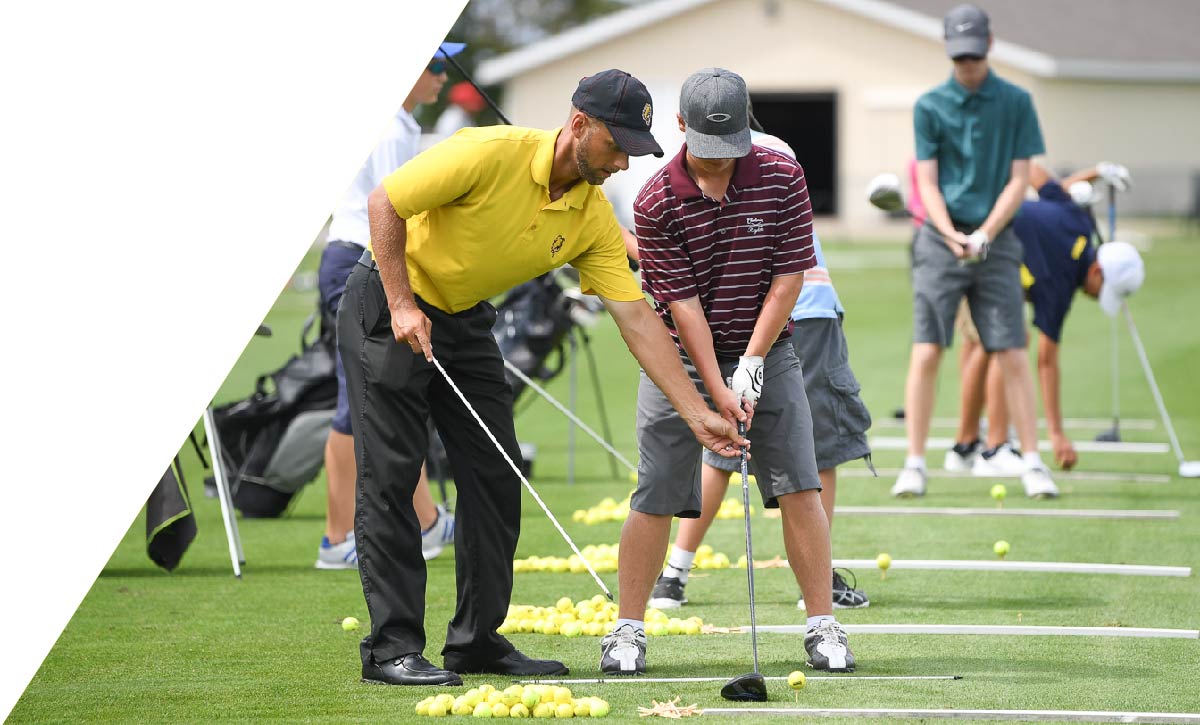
(337, 556)
(1038, 483)
(828, 648)
(962, 456)
(910, 482)
(1002, 460)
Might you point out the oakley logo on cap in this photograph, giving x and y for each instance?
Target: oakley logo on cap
(718, 117)
(964, 27)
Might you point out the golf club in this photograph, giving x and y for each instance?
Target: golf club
(1187, 469)
(570, 416)
(1113, 434)
(779, 678)
(750, 687)
(486, 97)
(528, 486)
(883, 191)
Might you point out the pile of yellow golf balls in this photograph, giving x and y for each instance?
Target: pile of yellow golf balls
(593, 617)
(603, 558)
(514, 701)
(606, 510)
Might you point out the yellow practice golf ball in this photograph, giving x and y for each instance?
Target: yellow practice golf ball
(796, 680)
(350, 624)
(999, 492)
(883, 561)
(1001, 548)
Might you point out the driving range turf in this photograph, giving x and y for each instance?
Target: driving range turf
(198, 645)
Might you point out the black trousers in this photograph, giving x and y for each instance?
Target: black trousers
(393, 392)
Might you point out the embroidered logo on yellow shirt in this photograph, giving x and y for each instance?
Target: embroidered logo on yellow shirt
(557, 245)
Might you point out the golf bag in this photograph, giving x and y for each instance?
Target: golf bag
(532, 324)
(273, 442)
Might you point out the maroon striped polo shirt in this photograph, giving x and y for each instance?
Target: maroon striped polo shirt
(726, 253)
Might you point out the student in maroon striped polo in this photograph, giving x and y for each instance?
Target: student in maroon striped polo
(724, 235)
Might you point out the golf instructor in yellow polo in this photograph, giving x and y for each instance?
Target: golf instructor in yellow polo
(472, 217)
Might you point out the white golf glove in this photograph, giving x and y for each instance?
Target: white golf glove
(747, 380)
(1116, 175)
(977, 244)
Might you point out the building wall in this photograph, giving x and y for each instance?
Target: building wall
(877, 73)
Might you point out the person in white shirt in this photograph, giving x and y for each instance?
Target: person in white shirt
(349, 234)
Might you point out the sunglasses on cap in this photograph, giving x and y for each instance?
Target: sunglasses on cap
(436, 67)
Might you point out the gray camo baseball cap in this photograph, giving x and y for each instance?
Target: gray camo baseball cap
(714, 104)
(967, 30)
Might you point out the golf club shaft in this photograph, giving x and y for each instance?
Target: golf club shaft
(779, 678)
(1158, 399)
(486, 97)
(1116, 383)
(570, 416)
(528, 485)
(749, 548)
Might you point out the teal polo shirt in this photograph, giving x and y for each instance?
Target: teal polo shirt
(975, 137)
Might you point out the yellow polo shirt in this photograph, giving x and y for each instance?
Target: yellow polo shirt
(480, 220)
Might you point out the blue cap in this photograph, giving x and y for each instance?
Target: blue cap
(445, 50)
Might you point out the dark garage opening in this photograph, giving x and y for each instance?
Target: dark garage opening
(808, 123)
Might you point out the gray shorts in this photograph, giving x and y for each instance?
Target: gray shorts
(840, 419)
(782, 443)
(992, 287)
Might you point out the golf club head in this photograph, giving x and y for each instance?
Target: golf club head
(750, 687)
(1189, 469)
(883, 192)
(1112, 435)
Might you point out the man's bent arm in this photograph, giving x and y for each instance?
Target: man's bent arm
(935, 206)
(776, 311)
(1009, 201)
(389, 238)
(648, 340)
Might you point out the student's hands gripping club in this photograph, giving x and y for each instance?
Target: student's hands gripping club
(412, 327)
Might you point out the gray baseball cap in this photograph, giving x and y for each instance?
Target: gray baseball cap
(967, 31)
(714, 104)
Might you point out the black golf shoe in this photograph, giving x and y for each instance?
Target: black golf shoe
(667, 594)
(411, 669)
(845, 596)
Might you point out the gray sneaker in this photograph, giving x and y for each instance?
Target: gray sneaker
(845, 596)
(623, 651)
(439, 536)
(667, 594)
(828, 649)
(337, 556)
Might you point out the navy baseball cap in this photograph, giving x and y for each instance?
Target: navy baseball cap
(967, 32)
(623, 104)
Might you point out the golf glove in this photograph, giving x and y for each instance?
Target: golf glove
(977, 244)
(1116, 175)
(748, 379)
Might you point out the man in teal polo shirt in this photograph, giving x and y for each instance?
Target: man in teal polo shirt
(975, 136)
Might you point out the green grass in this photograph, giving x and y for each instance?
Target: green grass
(198, 645)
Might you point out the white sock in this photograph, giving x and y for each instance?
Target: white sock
(1033, 460)
(637, 624)
(818, 620)
(679, 563)
(914, 462)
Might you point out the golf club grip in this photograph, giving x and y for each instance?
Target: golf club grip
(486, 97)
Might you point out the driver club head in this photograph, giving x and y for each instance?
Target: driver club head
(883, 192)
(1112, 435)
(750, 687)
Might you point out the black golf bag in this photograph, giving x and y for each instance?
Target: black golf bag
(273, 442)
